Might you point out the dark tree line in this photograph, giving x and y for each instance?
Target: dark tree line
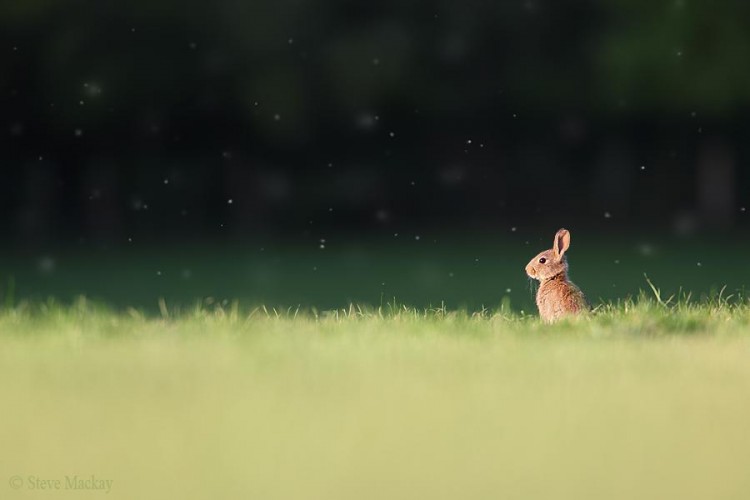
(168, 118)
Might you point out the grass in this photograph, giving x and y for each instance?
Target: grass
(645, 399)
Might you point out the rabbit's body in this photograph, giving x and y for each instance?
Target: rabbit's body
(557, 296)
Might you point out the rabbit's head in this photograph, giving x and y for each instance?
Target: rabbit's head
(552, 262)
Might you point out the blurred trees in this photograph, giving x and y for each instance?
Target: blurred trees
(150, 116)
(680, 57)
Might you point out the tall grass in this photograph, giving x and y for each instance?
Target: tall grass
(648, 314)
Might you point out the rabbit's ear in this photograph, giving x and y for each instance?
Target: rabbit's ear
(562, 242)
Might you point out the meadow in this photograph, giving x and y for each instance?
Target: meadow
(644, 399)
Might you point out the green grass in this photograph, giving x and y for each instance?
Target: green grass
(641, 400)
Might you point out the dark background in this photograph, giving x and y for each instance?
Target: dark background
(260, 143)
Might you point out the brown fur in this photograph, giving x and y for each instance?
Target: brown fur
(557, 296)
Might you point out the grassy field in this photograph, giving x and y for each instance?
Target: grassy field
(642, 400)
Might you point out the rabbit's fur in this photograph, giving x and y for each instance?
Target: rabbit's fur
(557, 295)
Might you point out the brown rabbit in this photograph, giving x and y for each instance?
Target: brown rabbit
(557, 296)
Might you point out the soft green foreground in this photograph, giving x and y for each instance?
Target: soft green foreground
(638, 402)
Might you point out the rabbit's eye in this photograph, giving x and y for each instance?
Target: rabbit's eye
(542, 260)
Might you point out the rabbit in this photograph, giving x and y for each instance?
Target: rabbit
(557, 295)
